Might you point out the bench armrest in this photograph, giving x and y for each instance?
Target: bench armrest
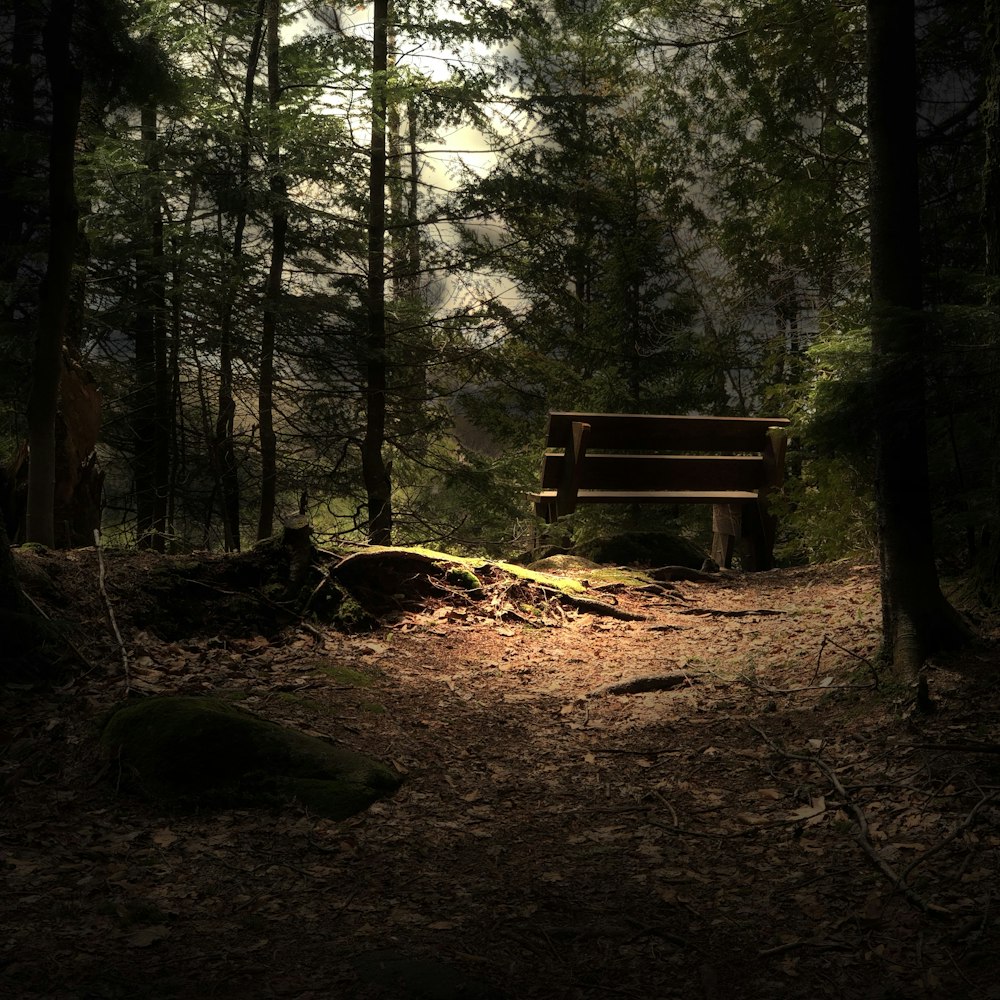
(774, 459)
(576, 450)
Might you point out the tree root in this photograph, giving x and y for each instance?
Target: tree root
(640, 685)
(589, 606)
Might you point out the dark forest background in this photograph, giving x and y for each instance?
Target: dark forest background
(260, 259)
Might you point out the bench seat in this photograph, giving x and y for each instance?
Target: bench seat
(629, 458)
(650, 496)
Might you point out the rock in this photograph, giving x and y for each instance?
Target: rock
(538, 553)
(562, 564)
(642, 548)
(201, 751)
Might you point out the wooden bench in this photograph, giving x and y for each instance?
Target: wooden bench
(732, 463)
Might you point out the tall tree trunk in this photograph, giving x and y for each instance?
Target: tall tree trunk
(152, 414)
(916, 619)
(272, 290)
(989, 557)
(223, 442)
(66, 85)
(375, 472)
(410, 286)
(18, 162)
(991, 130)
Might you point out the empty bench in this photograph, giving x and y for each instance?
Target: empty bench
(730, 463)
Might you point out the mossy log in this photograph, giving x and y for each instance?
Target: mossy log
(384, 580)
(196, 752)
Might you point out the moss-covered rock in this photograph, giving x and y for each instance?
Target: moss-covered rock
(206, 752)
(563, 564)
(642, 548)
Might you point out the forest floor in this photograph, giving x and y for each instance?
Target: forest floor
(774, 822)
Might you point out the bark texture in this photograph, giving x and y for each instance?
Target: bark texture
(917, 620)
(375, 470)
(66, 89)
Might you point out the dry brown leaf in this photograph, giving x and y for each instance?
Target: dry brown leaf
(146, 936)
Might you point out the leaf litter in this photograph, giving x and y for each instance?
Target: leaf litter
(785, 826)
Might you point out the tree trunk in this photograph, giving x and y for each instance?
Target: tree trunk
(19, 161)
(989, 556)
(917, 621)
(223, 444)
(272, 290)
(991, 130)
(375, 472)
(151, 412)
(66, 85)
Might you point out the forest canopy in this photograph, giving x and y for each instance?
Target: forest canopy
(261, 259)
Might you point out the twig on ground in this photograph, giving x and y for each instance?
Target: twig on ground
(781, 949)
(685, 832)
(69, 642)
(864, 841)
(809, 687)
(958, 829)
(850, 652)
(730, 612)
(111, 611)
(819, 656)
(987, 748)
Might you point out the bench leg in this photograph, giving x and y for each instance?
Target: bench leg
(727, 528)
(759, 530)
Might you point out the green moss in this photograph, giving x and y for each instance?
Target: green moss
(566, 584)
(468, 567)
(233, 694)
(350, 616)
(346, 676)
(337, 799)
(35, 547)
(207, 752)
(461, 577)
(303, 702)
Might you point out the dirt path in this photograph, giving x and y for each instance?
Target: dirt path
(763, 827)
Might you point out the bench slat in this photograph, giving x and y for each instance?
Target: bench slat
(653, 432)
(652, 496)
(643, 473)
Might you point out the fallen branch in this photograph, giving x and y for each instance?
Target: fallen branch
(69, 642)
(987, 748)
(670, 574)
(808, 687)
(958, 829)
(729, 612)
(111, 610)
(862, 836)
(640, 685)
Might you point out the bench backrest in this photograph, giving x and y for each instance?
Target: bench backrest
(743, 452)
(652, 432)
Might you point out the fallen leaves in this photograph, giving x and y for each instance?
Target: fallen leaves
(146, 936)
(571, 846)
